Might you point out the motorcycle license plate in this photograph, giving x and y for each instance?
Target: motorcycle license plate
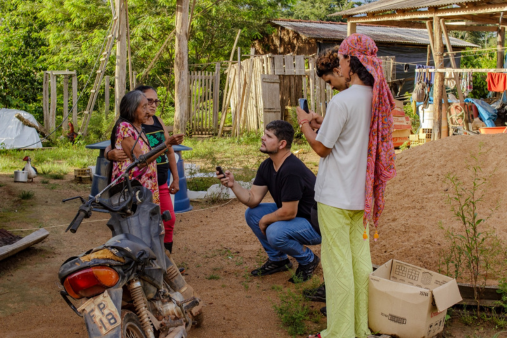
(102, 311)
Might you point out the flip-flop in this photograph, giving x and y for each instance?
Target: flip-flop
(315, 335)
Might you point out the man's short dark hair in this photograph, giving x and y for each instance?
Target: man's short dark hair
(283, 131)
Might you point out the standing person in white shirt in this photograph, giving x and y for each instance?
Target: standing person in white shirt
(357, 159)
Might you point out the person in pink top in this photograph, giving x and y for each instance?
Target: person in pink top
(128, 127)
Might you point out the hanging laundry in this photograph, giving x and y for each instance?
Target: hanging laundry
(467, 84)
(450, 81)
(497, 82)
(427, 77)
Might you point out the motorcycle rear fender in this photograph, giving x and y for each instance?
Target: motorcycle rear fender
(93, 330)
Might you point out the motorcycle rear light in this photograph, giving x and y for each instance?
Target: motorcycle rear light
(90, 282)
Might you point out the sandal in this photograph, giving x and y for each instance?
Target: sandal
(315, 335)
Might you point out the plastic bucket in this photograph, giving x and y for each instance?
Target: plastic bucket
(426, 116)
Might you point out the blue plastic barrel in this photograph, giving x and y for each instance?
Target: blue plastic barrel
(100, 177)
(181, 200)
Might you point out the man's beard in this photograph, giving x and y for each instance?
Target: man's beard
(268, 152)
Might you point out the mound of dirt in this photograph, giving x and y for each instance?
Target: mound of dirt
(416, 198)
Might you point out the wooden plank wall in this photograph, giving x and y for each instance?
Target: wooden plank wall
(297, 79)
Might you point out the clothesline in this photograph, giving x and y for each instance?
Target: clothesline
(462, 70)
(424, 61)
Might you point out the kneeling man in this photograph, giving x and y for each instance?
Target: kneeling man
(283, 228)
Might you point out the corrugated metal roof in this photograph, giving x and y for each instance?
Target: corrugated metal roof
(338, 31)
(390, 5)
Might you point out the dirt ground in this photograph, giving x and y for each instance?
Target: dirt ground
(218, 249)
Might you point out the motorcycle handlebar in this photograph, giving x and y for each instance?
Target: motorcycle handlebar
(77, 221)
(153, 152)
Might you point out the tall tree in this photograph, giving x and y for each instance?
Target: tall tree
(320, 9)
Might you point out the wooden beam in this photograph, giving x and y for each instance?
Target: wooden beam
(65, 124)
(52, 108)
(106, 96)
(404, 24)
(182, 89)
(428, 14)
(456, 75)
(28, 123)
(121, 57)
(351, 28)
(500, 43)
(471, 28)
(224, 102)
(61, 73)
(438, 83)
(74, 101)
(25, 242)
(428, 56)
(45, 99)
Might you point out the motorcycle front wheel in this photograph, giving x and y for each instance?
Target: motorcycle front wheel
(130, 325)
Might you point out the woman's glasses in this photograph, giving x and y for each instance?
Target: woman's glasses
(153, 101)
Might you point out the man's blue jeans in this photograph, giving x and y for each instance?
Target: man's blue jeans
(283, 237)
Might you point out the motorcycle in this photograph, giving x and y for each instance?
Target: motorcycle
(130, 285)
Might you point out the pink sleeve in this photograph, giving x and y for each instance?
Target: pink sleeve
(124, 130)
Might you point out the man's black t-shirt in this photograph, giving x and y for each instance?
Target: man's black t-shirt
(293, 182)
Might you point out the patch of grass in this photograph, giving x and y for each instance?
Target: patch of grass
(26, 195)
(213, 277)
(293, 312)
(2, 185)
(201, 183)
(55, 176)
(44, 181)
(183, 265)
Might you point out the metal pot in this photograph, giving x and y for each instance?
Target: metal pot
(20, 176)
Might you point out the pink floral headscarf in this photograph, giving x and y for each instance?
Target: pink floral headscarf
(381, 156)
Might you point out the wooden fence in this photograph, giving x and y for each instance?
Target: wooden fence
(204, 100)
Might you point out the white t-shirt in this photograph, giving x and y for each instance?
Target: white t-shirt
(345, 129)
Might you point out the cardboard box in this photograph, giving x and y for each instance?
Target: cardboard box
(408, 301)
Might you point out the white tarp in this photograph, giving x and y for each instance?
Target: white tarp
(14, 134)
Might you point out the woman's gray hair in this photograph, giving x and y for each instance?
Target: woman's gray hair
(129, 104)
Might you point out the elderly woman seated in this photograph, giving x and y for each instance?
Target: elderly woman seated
(133, 113)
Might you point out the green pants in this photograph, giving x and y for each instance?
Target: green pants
(346, 262)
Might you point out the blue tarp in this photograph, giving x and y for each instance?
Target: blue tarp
(487, 113)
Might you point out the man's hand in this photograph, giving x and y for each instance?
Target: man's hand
(263, 225)
(303, 115)
(175, 139)
(175, 186)
(117, 155)
(227, 179)
(316, 121)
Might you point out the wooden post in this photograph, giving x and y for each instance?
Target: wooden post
(181, 67)
(74, 100)
(216, 96)
(238, 104)
(106, 96)
(454, 65)
(224, 102)
(121, 56)
(428, 55)
(65, 125)
(351, 28)
(500, 43)
(438, 84)
(127, 24)
(52, 109)
(45, 99)
(135, 80)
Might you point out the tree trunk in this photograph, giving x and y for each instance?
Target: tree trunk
(181, 67)
(121, 56)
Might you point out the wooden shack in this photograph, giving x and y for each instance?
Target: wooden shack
(409, 46)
